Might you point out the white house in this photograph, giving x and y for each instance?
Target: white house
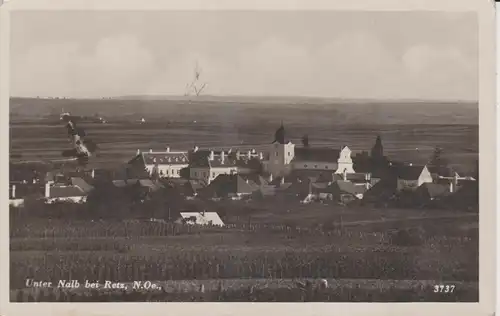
(64, 193)
(410, 177)
(200, 218)
(207, 165)
(167, 164)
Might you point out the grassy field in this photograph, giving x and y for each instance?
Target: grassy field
(264, 256)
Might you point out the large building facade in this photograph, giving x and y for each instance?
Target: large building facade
(284, 157)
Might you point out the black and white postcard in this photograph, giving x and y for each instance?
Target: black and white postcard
(217, 153)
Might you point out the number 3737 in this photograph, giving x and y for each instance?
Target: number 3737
(444, 288)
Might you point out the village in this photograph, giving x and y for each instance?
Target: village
(281, 173)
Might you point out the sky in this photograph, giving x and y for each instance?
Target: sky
(337, 54)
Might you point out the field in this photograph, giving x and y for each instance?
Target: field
(409, 131)
(354, 256)
(365, 254)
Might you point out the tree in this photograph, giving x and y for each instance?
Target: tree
(305, 140)
(185, 173)
(437, 159)
(377, 152)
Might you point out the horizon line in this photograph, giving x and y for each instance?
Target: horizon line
(200, 98)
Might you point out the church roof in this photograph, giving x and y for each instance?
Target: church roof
(279, 135)
(316, 154)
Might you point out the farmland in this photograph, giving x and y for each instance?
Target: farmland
(365, 253)
(409, 131)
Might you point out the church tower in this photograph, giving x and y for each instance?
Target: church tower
(281, 153)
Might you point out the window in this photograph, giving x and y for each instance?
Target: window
(305, 166)
(213, 174)
(326, 167)
(276, 153)
(178, 171)
(315, 166)
(195, 174)
(288, 154)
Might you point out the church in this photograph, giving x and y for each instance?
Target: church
(284, 157)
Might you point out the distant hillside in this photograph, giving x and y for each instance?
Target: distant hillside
(304, 111)
(283, 99)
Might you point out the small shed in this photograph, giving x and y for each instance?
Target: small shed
(200, 218)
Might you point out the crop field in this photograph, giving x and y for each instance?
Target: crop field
(270, 256)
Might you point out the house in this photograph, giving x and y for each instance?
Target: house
(200, 218)
(192, 187)
(432, 191)
(230, 186)
(82, 184)
(207, 165)
(165, 164)
(301, 191)
(410, 177)
(19, 192)
(64, 193)
(437, 172)
(146, 184)
(341, 191)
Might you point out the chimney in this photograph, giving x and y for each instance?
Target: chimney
(238, 155)
(261, 156)
(271, 177)
(168, 149)
(47, 189)
(138, 152)
(283, 180)
(93, 174)
(195, 149)
(410, 164)
(454, 183)
(211, 157)
(222, 156)
(150, 150)
(367, 186)
(249, 154)
(13, 191)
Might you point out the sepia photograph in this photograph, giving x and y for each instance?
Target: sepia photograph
(245, 156)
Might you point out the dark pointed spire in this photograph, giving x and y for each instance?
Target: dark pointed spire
(279, 135)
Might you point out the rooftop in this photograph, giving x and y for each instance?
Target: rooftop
(316, 154)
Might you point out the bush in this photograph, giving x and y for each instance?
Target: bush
(407, 237)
